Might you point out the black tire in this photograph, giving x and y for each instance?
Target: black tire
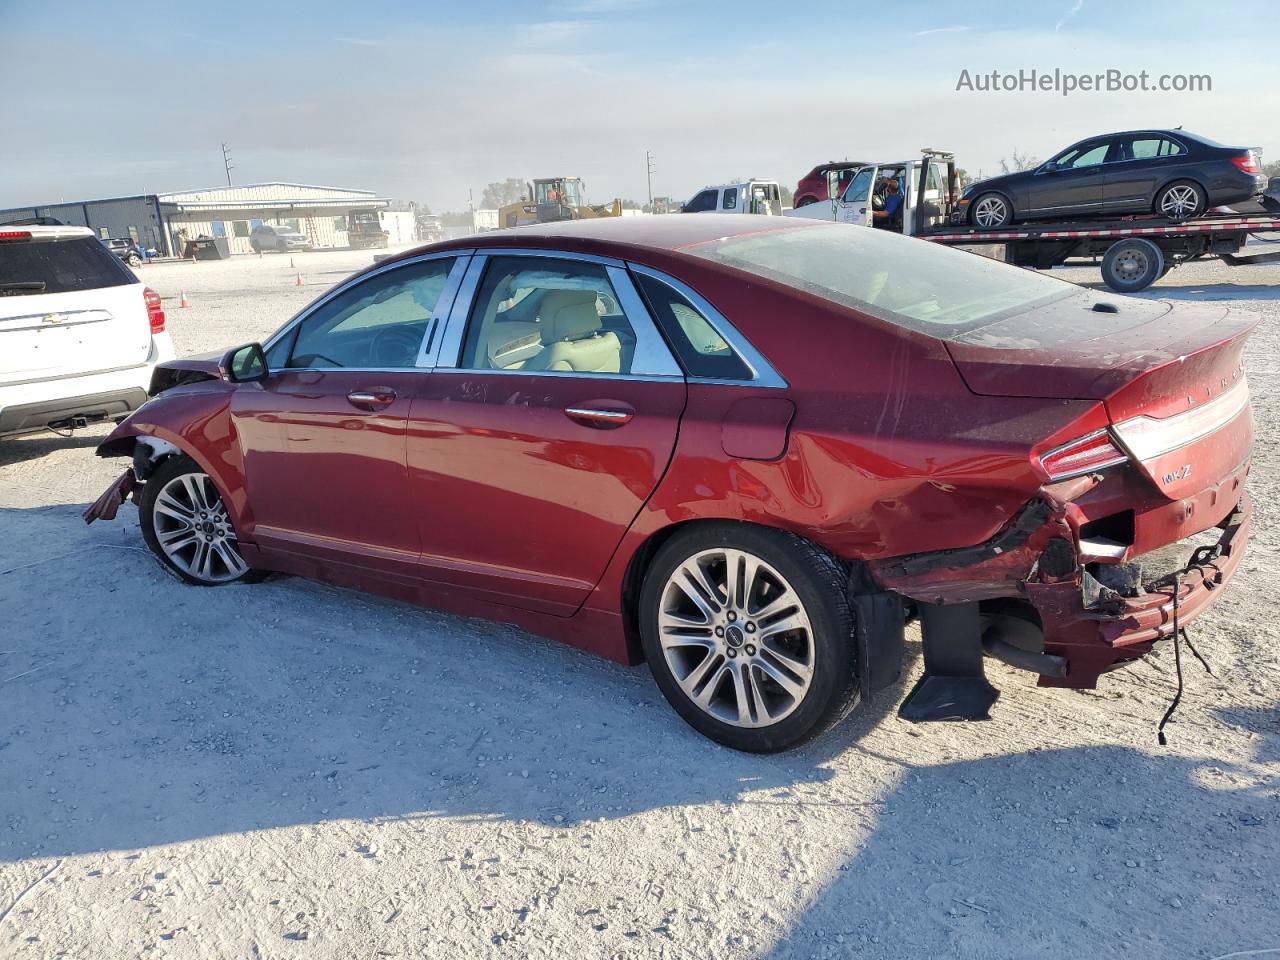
(168, 471)
(819, 581)
(1133, 264)
(990, 211)
(805, 201)
(134, 261)
(1184, 198)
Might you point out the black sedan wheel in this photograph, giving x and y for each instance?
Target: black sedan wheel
(990, 211)
(1181, 200)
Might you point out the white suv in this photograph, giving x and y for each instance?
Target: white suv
(79, 334)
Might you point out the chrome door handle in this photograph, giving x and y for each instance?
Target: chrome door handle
(375, 398)
(601, 417)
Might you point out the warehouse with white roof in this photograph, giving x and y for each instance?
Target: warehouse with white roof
(165, 221)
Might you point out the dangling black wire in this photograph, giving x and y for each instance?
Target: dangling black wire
(1177, 660)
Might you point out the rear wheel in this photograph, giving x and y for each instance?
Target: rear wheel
(989, 211)
(1181, 200)
(805, 201)
(749, 634)
(185, 523)
(135, 260)
(1132, 265)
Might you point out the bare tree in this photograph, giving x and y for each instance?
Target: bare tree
(497, 195)
(1020, 161)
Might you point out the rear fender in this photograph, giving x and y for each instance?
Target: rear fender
(195, 421)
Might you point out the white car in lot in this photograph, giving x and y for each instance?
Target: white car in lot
(79, 333)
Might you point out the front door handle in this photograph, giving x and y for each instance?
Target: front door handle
(603, 417)
(374, 398)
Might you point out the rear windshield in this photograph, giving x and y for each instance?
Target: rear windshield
(59, 266)
(912, 283)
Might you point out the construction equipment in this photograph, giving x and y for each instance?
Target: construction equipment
(364, 230)
(552, 199)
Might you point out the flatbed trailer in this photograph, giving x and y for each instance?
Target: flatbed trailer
(1135, 251)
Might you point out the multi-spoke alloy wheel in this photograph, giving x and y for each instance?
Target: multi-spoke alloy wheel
(991, 210)
(185, 522)
(736, 637)
(749, 634)
(1180, 201)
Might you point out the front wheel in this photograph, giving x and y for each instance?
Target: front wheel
(749, 634)
(185, 523)
(990, 211)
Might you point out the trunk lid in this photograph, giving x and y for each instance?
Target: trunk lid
(1170, 377)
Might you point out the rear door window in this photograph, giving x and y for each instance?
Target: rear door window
(702, 351)
(59, 266)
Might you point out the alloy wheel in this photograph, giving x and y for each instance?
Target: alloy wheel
(736, 637)
(1180, 201)
(991, 211)
(194, 531)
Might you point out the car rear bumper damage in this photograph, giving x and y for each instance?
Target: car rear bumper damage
(1043, 600)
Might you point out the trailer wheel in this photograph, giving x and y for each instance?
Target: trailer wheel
(1132, 265)
(1181, 200)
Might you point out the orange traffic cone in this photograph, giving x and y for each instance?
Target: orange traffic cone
(184, 302)
(298, 280)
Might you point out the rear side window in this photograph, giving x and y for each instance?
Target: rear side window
(731, 198)
(62, 266)
(702, 351)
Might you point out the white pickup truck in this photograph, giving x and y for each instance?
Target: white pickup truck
(750, 196)
(867, 194)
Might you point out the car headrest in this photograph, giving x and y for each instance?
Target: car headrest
(569, 315)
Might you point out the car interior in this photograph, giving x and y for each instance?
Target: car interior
(549, 320)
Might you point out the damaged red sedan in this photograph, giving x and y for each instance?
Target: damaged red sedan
(745, 450)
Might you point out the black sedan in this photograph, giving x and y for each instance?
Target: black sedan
(1170, 173)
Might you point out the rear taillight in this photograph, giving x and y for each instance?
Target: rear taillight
(1091, 452)
(1247, 162)
(155, 312)
(15, 234)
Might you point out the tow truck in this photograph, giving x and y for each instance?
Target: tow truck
(1135, 251)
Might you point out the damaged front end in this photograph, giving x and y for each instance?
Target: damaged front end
(147, 452)
(1080, 581)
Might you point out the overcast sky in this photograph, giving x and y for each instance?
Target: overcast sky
(424, 101)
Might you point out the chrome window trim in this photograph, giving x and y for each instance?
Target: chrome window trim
(763, 373)
(652, 359)
(575, 374)
(347, 284)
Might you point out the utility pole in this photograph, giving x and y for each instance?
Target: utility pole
(648, 164)
(226, 163)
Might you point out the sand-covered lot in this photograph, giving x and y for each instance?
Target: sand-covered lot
(293, 770)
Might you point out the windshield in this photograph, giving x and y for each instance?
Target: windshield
(912, 283)
(559, 191)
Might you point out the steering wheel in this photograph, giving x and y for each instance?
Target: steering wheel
(395, 347)
(877, 201)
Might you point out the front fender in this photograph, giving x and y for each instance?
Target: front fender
(196, 419)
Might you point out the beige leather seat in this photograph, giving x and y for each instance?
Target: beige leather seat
(572, 337)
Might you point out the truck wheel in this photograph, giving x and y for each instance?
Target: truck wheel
(1132, 265)
(990, 211)
(749, 634)
(1181, 200)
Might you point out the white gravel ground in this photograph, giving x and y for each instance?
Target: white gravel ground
(293, 770)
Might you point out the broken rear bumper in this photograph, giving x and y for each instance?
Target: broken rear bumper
(1039, 562)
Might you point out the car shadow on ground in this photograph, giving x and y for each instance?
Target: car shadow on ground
(1083, 851)
(1197, 292)
(145, 711)
(33, 446)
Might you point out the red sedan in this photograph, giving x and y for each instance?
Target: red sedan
(744, 449)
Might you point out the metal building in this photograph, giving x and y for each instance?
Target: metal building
(163, 221)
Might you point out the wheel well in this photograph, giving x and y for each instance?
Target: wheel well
(1171, 181)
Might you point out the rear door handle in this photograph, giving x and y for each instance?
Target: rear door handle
(374, 398)
(603, 417)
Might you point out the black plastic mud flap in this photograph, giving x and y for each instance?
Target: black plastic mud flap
(880, 622)
(954, 686)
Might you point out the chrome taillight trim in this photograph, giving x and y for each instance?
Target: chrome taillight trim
(1092, 468)
(1145, 438)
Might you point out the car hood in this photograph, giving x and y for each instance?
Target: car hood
(1006, 181)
